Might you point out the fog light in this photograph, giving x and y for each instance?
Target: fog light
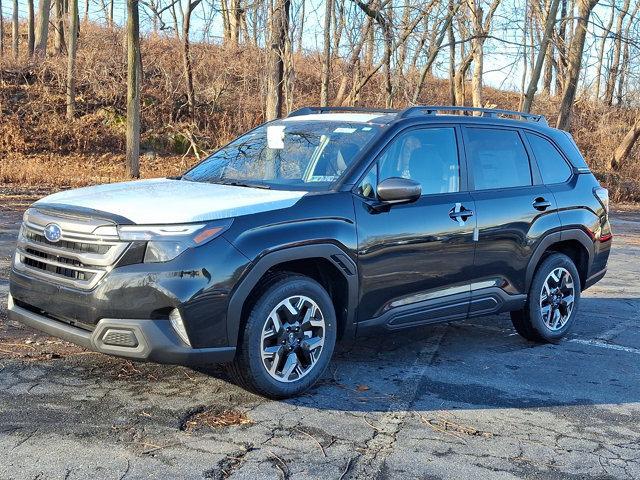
(178, 325)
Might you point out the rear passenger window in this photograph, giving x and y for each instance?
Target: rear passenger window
(498, 158)
(553, 167)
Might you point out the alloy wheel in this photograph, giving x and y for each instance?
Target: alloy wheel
(557, 298)
(292, 338)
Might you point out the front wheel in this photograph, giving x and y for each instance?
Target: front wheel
(552, 301)
(288, 339)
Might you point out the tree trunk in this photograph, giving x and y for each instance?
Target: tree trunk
(186, 55)
(601, 48)
(59, 24)
(235, 20)
(278, 31)
(452, 57)
(624, 149)
(615, 62)
(547, 78)
(542, 54)
(561, 47)
(388, 43)
(111, 7)
(446, 28)
(15, 30)
(42, 28)
(478, 53)
(133, 90)
(1, 31)
(31, 23)
(326, 55)
(576, 50)
(74, 17)
(624, 67)
(300, 28)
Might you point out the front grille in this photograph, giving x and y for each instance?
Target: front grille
(67, 245)
(80, 259)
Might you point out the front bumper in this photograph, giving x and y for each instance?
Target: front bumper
(146, 340)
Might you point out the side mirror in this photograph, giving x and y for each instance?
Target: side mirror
(399, 190)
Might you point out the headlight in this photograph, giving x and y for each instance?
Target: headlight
(166, 242)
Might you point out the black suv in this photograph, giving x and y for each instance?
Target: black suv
(323, 225)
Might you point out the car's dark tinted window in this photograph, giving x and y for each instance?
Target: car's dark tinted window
(428, 156)
(498, 158)
(553, 167)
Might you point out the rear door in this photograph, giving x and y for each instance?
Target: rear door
(513, 210)
(415, 260)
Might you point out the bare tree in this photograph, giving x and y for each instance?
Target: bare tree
(326, 55)
(278, 32)
(481, 28)
(59, 26)
(74, 17)
(31, 24)
(624, 66)
(445, 27)
(187, 10)
(574, 60)
(42, 28)
(133, 89)
(542, 54)
(15, 32)
(603, 42)
(1, 31)
(612, 77)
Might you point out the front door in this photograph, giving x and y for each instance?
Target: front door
(415, 260)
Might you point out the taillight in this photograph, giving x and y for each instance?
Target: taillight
(602, 194)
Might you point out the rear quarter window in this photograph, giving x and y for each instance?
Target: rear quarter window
(553, 167)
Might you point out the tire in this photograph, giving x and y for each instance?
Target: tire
(314, 318)
(538, 320)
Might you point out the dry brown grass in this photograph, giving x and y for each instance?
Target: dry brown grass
(38, 146)
(55, 171)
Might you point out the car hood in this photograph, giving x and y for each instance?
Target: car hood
(161, 201)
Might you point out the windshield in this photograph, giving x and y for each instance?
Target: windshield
(295, 154)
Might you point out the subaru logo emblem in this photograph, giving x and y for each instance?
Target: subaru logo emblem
(52, 232)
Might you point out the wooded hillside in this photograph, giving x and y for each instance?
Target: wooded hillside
(70, 102)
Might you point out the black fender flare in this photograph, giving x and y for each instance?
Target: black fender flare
(328, 251)
(570, 234)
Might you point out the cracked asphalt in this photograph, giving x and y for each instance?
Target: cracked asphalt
(460, 400)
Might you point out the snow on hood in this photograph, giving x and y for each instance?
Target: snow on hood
(160, 201)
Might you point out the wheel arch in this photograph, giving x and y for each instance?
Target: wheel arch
(326, 263)
(574, 243)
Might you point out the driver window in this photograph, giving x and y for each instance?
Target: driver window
(428, 156)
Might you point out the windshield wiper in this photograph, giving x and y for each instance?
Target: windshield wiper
(238, 183)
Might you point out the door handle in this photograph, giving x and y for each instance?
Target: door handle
(541, 204)
(460, 214)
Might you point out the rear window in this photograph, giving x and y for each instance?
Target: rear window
(553, 167)
(498, 158)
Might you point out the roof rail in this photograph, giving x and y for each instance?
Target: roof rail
(312, 110)
(486, 112)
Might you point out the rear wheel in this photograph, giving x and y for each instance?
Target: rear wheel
(552, 301)
(288, 339)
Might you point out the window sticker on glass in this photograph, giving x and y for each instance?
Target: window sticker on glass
(275, 137)
(322, 178)
(344, 130)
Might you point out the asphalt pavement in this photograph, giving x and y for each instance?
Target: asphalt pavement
(461, 400)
